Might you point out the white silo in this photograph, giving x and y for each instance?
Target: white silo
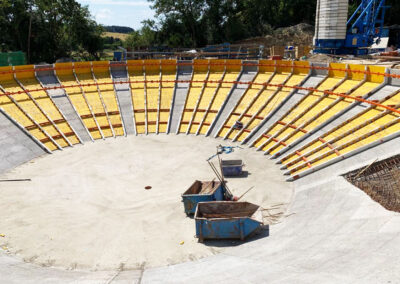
(331, 22)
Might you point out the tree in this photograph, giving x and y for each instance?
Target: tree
(189, 12)
(48, 30)
(145, 37)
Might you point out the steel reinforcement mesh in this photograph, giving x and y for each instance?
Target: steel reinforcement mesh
(381, 181)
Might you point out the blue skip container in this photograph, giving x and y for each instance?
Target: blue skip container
(201, 191)
(232, 167)
(227, 220)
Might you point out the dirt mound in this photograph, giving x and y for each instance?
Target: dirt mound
(301, 34)
(321, 58)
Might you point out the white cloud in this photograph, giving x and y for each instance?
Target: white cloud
(103, 14)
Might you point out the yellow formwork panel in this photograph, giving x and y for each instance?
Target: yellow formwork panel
(29, 106)
(345, 87)
(337, 70)
(245, 101)
(335, 107)
(393, 100)
(8, 74)
(224, 131)
(233, 65)
(93, 98)
(355, 135)
(357, 72)
(152, 109)
(266, 66)
(191, 100)
(152, 66)
(8, 106)
(284, 66)
(101, 66)
(82, 68)
(79, 103)
(135, 66)
(167, 91)
(362, 142)
(217, 65)
(301, 67)
(135, 71)
(200, 65)
(24, 71)
(153, 71)
(206, 97)
(267, 93)
(376, 74)
(305, 150)
(325, 159)
(261, 101)
(168, 66)
(327, 84)
(219, 99)
(47, 105)
(109, 97)
(256, 107)
(63, 69)
(366, 129)
(310, 116)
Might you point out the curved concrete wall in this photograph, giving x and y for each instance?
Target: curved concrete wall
(333, 233)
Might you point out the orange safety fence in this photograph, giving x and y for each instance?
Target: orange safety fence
(309, 89)
(132, 64)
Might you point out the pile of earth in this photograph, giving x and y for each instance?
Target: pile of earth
(301, 34)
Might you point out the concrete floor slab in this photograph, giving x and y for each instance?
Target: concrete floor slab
(87, 207)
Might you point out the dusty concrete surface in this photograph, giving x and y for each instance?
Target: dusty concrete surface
(86, 207)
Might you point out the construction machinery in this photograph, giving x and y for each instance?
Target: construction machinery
(336, 34)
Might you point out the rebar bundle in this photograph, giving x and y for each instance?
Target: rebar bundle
(381, 181)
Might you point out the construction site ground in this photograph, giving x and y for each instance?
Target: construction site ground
(87, 207)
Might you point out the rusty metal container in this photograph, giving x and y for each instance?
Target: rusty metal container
(201, 191)
(227, 220)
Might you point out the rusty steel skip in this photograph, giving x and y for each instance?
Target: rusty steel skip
(227, 220)
(201, 191)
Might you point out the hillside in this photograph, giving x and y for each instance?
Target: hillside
(118, 29)
(120, 36)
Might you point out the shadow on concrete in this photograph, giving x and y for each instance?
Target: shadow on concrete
(244, 174)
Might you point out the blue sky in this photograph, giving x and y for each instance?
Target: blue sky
(127, 13)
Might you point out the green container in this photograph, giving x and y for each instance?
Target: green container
(3, 59)
(12, 58)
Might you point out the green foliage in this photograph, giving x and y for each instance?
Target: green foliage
(59, 28)
(112, 42)
(145, 37)
(191, 23)
(201, 22)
